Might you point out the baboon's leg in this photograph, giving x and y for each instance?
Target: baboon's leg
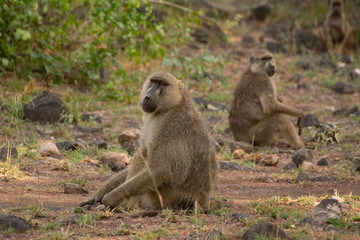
(266, 132)
(289, 133)
(348, 41)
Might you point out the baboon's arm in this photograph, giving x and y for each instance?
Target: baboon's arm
(111, 184)
(271, 106)
(137, 185)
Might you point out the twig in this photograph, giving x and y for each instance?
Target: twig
(185, 9)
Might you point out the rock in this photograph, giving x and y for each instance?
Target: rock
(308, 40)
(81, 129)
(74, 218)
(100, 143)
(238, 153)
(100, 207)
(87, 117)
(243, 145)
(306, 166)
(346, 111)
(261, 12)
(270, 160)
(343, 88)
(116, 167)
(327, 209)
(46, 108)
(220, 141)
(210, 33)
(279, 31)
(68, 145)
(72, 188)
(356, 164)
(323, 162)
(327, 62)
(247, 39)
(130, 146)
(303, 64)
(321, 179)
(289, 166)
(114, 157)
(354, 74)
(264, 179)
(19, 225)
(264, 229)
(6, 152)
(275, 47)
(87, 207)
(307, 220)
(132, 134)
(216, 145)
(311, 121)
(231, 166)
(236, 217)
(49, 149)
(214, 234)
(302, 155)
(302, 177)
(347, 155)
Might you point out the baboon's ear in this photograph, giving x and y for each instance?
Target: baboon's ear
(252, 59)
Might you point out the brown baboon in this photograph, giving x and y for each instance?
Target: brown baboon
(336, 29)
(256, 116)
(175, 164)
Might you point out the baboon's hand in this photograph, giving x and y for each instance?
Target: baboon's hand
(111, 199)
(300, 124)
(92, 201)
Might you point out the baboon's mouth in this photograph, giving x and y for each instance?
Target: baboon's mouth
(270, 73)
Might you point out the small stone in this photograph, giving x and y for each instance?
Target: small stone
(236, 217)
(356, 164)
(216, 145)
(220, 141)
(87, 207)
(81, 129)
(74, 218)
(72, 188)
(19, 225)
(8, 152)
(289, 166)
(261, 12)
(100, 207)
(327, 209)
(310, 120)
(302, 155)
(245, 146)
(87, 117)
(49, 149)
(229, 166)
(270, 160)
(128, 135)
(355, 74)
(116, 167)
(343, 88)
(323, 162)
(100, 143)
(302, 177)
(68, 145)
(264, 229)
(306, 166)
(238, 153)
(114, 157)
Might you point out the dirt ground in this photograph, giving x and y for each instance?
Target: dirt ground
(261, 193)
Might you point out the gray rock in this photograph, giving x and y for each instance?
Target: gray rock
(49, 149)
(247, 39)
(356, 164)
(308, 40)
(307, 220)
(289, 166)
(236, 217)
(74, 218)
(275, 47)
(264, 229)
(327, 209)
(229, 166)
(343, 88)
(5, 152)
(220, 141)
(101, 207)
(323, 162)
(46, 108)
(71, 188)
(132, 134)
(214, 234)
(116, 167)
(302, 155)
(302, 177)
(210, 33)
(100, 143)
(130, 146)
(18, 224)
(68, 145)
(346, 111)
(310, 120)
(87, 117)
(261, 12)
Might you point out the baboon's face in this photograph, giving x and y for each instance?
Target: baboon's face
(262, 63)
(336, 6)
(161, 92)
(149, 102)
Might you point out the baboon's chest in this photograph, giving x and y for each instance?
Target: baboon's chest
(336, 31)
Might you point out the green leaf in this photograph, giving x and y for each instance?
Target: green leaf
(22, 34)
(5, 62)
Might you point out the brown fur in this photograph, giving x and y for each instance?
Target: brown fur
(337, 30)
(175, 161)
(255, 114)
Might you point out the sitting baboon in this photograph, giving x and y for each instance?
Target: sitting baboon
(336, 28)
(256, 115)
(175, 164)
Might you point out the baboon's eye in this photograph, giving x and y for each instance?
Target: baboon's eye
(266, 58)
(164, 84)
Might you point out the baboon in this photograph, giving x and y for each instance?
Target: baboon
(336, 28)
(256, 116)
(175, 165)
